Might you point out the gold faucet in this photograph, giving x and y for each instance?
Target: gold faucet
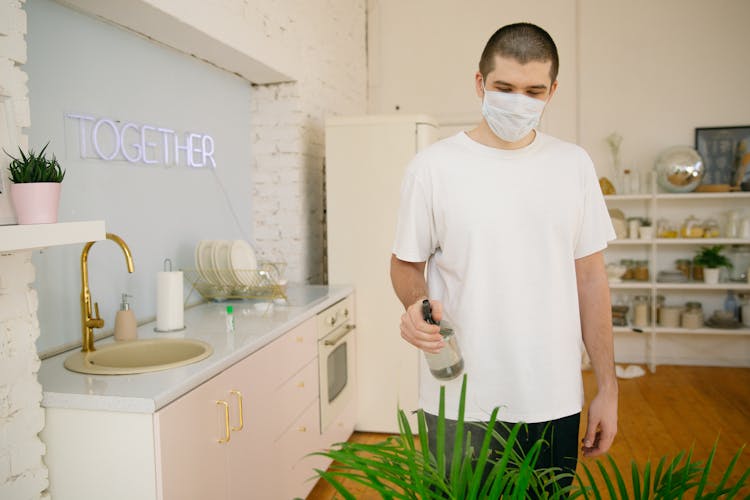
(88, 321)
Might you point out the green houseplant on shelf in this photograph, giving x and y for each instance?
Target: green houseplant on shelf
(35, 189)
(712, 260)
(397, 468)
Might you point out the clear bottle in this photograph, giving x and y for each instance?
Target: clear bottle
(731, 305)
(448, 363)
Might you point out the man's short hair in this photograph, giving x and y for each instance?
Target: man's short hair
(523, 42)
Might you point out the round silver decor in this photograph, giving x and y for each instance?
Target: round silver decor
(679, 169)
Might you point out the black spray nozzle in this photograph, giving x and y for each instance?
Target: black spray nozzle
(427, 312)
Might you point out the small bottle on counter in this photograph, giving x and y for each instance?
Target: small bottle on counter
(230, 319)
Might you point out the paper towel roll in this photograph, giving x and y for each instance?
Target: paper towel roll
(169, 308)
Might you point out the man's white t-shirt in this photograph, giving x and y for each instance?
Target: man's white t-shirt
(502, 230)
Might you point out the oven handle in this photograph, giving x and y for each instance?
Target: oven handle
(335, 340)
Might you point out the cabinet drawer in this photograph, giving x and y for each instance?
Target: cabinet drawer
(286, 355)
(301, 439)
(293, 397)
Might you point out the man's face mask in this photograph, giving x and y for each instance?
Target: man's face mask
(511, 116)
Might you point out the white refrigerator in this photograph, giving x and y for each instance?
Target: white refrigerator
(366, 157)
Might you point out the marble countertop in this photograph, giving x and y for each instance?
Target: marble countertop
(257, 325)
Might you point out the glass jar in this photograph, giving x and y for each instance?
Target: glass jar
(692, 315)
(739, 256)
(691, 228)
(641, 311)
(697, 272)
(665, 229)
(711, 229)
(684, 266)
(670, 316)
(640, 272)
(659, 304)
(629, 266)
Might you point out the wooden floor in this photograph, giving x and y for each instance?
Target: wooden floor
(659, 414)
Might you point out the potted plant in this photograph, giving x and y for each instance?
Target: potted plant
(646, 231)
(712, 260)
(400, 468)
(35, 191)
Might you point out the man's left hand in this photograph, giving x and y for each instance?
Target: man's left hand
(601, 425)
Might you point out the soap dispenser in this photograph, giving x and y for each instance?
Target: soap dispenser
(125, 324)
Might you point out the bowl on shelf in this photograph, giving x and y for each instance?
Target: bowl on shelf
(679, 169)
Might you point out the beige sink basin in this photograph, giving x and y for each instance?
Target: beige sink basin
(138, 356)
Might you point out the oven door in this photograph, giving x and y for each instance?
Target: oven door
(336, 353)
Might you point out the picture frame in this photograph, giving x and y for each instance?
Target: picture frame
(726, 155)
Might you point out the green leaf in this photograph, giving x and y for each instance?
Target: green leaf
(459, 440)
(592, 483)
(607, 480)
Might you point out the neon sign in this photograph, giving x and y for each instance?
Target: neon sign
(140, 143)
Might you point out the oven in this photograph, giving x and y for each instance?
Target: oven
(336, 360)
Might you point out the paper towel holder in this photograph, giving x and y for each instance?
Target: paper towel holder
(168, 269)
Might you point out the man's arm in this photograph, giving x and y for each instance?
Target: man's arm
(596, 323)
(411, 289)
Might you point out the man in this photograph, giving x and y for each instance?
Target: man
(513, 225)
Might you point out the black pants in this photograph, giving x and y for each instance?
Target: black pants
(561, 436)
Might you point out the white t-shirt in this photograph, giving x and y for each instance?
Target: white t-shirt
(502, 230)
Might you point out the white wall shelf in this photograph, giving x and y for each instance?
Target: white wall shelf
(667, 344)
(29, 236)
(733, 195)
(731, 285)
(702, 331)
(701, 241)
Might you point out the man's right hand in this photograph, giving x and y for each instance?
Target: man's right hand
(416, 331)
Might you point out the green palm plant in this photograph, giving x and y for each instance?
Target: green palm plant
(399, 469)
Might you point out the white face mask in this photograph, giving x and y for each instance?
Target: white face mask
(511, 116)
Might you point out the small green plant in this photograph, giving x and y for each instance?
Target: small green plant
(712, 258)
(32, 167)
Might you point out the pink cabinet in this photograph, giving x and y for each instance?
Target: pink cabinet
(240, 434)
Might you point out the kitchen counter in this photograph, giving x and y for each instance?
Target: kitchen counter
(257, 324)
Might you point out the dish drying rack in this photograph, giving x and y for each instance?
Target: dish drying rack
(225, 284)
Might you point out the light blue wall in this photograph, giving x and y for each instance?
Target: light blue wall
(78, 64)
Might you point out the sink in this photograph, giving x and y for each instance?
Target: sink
(138, 356)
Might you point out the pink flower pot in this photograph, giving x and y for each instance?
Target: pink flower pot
(36, 202)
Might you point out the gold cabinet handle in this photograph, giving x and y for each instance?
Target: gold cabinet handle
(302, 429)
(301, 384)
(300, 339)
(241, 412)
(227, 436)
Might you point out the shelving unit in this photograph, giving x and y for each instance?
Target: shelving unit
(661, 253)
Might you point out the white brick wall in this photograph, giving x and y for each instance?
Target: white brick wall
(328, 37)
(23, 474)
(288, 132)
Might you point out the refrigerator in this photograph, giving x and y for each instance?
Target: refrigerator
(366, 157)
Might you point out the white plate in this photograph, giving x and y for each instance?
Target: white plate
(206, 262)
(222, 264)
(242, 258)
(198, 266)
